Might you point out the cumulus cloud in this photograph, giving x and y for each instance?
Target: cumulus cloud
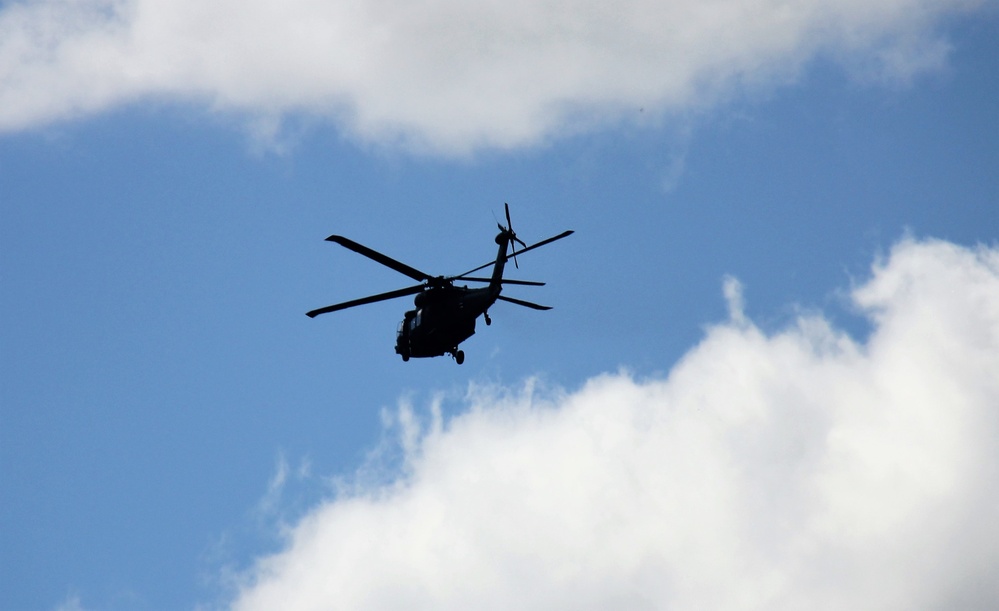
(801, 469)
(447, 76)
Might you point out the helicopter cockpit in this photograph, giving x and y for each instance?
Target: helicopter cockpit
(410, 321)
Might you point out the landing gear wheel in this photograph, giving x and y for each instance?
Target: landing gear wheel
(459, 357)
(488, 320)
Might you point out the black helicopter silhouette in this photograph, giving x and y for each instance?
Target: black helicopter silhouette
(445, 314)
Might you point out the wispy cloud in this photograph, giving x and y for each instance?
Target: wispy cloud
(287, 490)
(800, 469)
(451, 77)
(72, 603)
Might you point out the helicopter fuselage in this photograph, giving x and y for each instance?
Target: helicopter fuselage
(442, 319)
(445, 316)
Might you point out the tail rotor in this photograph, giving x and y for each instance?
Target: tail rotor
(514, 240)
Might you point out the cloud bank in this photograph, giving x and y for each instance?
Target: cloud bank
(795, 470)
(447, 76)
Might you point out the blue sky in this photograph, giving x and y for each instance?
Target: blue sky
(169, 417)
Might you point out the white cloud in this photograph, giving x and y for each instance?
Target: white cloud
(448, 76)
(798, 470)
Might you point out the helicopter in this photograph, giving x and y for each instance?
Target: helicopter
(445, 314)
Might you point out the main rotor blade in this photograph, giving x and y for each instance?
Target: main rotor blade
(526, 304)
(564, 234)
(502, 281)
(402, 268)
(365, 300)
